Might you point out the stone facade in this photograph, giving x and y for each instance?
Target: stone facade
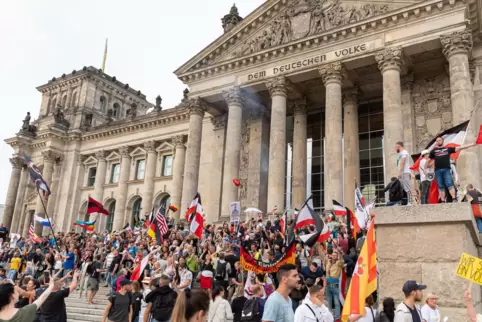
(289, 62)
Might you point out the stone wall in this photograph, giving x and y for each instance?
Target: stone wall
(424, 243)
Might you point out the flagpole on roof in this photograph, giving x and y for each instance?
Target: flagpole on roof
(48, 217)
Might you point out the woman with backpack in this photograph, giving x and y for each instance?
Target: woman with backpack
(219, 309)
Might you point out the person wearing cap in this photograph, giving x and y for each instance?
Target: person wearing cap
(426, 176)
(407, 311)
(430, 312)
(119, 305)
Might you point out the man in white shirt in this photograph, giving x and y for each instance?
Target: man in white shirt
(426, 177)
(314, 309)
(403, 166)
(185, 276)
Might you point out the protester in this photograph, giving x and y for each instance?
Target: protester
(426, 176)
(403, 166)
(369, 312)
(161, 301)
(407, 311)
(279, 307)
(387, 314)
(429, 311)
(238, 303)
(440, 157)
(54, 309)
(119, 306)
(219, 308)
(314, 309)
(395, 192)
(191, 306)
(334, 264)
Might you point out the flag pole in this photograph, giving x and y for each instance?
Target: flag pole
(48, 218)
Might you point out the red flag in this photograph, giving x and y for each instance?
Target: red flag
(137, 272)
(479, 137)
(96, 207)
(192, 208)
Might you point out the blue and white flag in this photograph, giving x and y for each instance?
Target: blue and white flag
(43, 221)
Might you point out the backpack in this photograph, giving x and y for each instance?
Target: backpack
(163, 306)
(220, 271)
(250, 311)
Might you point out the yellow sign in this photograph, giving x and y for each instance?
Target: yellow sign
(470, 268)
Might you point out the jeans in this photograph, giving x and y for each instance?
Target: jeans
(444, 179)
(394, 203)
(11, 274)
(333, 296)
(424, 189)
(478, 220)
(68, 280)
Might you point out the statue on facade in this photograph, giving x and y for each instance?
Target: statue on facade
(132, 112)
(88, 120)
(27, 128)
(230, 20)
(59, 117)
(26, 122)
(158, 103)
(185, 95)
(110, 115)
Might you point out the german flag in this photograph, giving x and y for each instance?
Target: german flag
(173, 208)
(96, 207)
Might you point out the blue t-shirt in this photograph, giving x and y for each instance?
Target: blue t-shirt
(278, 309)
(69, 262)
(133, 251)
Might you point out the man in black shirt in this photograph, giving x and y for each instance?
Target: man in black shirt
(474, 196)
(407, 311)
(440, 155)
(53, 309)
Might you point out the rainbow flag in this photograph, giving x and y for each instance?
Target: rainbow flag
(87, 225)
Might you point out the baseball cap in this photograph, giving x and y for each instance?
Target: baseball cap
(411, 286)
(125, 282)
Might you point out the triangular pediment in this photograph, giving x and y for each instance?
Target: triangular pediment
(90, 161)
(165, 147)
(282, 22)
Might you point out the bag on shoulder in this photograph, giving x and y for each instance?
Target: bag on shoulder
(163, 306)
(250, 311)
(220, 271)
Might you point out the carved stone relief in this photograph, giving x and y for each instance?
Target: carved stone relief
(304, 18)
(243, 170)
(432, 107)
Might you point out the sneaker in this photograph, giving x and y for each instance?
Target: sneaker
(455, 200)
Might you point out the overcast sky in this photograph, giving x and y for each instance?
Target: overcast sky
(148, 40)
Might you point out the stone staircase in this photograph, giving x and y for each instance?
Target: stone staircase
(79, 311)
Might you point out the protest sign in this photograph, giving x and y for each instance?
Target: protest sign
(470, 268)
(235, 211)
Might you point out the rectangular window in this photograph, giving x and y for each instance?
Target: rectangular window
(140, 169)
(115, 172)
(91, 179)
(167, 166)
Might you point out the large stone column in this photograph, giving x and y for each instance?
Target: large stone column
(49, 160)
(218, 141)
(150, 173)
(121, 193)
(100, 180)
(456, 48)
(351, 145)
(408, 114)
(277, 87)
(12, 191)
(332, 75)
(197, 107)
(235, 103)
(177, 173)
(298, 182)
(390, 62)
(19, 213)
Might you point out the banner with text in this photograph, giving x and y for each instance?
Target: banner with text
(249, 263)
(470, 268)
(235, 211)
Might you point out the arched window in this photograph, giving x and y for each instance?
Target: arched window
(73, 102)
(54, 104)
(136, 212)
(166, 201)
(110, 218)
(102, 104)
(116, 111)
(64, 101)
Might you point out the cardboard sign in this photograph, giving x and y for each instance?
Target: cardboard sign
(470, 268)
(235, 211)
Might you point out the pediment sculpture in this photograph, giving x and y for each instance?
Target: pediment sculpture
(59, 117)
(303, 18)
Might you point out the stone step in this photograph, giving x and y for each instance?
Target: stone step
(83, 303)
(88, 309)
(83, 317)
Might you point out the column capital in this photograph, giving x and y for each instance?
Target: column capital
(50, 156)
(124, 151)
(234, 96)
(332, 72)
(218, 122)
(178, 141)
(17, 162)
(81, 158)
(100, 155)
(150, 146)
(299, 106)
(278, 86)
(459, 42)
(389, 58)
(350, 95)
(196, 106)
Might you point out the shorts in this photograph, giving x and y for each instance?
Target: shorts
(92, 284)
(444, 179)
